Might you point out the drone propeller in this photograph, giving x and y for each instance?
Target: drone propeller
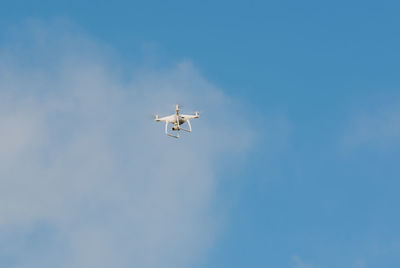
(153, 116)
(198, 112)
(177, 105)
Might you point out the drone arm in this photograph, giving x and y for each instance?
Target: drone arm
(191, 116)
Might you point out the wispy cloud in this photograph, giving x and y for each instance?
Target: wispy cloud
(297, 262)
(87, 179)
(376, 128)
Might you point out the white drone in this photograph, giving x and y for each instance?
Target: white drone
(177, 120)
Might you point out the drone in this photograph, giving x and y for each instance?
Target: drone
(177, 120)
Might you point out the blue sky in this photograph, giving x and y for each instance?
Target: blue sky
(311, 93)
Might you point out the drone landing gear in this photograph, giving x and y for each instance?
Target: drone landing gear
(171, 135)
(174, 136)
(187, 130)
(177, 128)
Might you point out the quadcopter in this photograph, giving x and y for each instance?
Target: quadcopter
(177, 120)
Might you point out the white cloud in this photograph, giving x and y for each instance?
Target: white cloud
(297, 262)
(87, 179)
(376, 128)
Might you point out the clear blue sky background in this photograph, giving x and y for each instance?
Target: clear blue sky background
(310, 197)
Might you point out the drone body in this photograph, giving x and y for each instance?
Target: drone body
(177, 120)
